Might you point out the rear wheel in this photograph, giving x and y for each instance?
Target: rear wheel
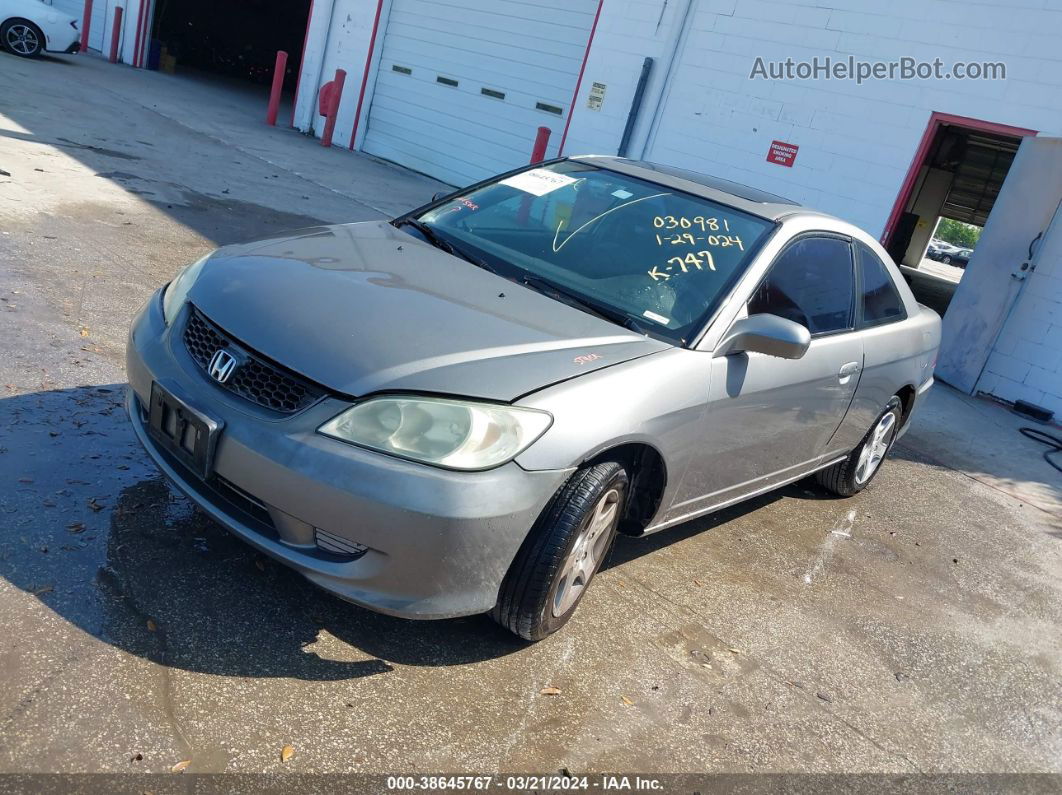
(854, 474)
(563, 552)
(22, 37)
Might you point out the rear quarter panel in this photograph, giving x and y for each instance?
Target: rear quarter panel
(895, 355)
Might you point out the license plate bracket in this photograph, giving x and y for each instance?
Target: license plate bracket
(185, 433)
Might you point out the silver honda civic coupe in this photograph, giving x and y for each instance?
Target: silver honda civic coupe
(455, 412)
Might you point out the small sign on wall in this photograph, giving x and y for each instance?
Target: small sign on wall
(597, 96)
(782, 153)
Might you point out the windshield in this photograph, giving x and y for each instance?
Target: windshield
(633, 249)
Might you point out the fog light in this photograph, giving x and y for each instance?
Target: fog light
(336, 545)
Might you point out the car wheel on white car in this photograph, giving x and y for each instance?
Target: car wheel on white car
(22, 37)
(854, 474)
(563, 552)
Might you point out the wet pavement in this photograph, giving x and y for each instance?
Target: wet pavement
(913, 628)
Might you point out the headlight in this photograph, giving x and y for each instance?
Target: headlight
(455, 434)
(177, 290)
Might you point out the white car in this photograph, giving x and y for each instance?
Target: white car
(29, 27)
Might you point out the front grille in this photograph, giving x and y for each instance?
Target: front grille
(255, 378)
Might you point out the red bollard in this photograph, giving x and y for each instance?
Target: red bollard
(116, 32)
(538, 154)
(333, 110)
(278, 86)
(86, 22)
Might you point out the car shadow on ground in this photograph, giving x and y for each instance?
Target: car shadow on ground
(93, 531)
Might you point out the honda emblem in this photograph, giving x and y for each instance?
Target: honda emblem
(221, 366)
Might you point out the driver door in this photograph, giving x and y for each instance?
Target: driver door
(768, 418)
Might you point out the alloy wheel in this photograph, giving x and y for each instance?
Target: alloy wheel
(589, 548)
(22, 39)
(875, 448)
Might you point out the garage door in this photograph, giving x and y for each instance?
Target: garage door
(463, 85)
(76, 9)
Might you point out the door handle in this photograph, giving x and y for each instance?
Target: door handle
(847, 371)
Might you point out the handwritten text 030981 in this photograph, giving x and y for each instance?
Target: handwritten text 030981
(682, 222)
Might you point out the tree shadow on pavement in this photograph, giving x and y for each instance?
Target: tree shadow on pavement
(93, 531)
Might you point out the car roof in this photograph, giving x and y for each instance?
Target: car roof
(742, 197)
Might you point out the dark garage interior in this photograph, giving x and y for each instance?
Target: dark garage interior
(234, 38)
(960, 178)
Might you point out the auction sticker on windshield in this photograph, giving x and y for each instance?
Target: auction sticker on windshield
(538, 181)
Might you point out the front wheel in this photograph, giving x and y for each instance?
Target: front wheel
(22, 37)
(854, 474)
(563, 552)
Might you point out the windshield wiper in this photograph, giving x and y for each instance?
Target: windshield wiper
(442, 243)
(555, 291)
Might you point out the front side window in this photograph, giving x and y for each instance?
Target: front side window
(811, 283)
(640, 251)
(881, 299)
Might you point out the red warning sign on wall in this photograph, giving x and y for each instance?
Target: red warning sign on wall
(782, 153)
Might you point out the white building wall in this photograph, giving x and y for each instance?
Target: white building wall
(856, 141)
(340, 31)
(1026, 360)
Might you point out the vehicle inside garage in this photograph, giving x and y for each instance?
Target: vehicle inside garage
(235, 38)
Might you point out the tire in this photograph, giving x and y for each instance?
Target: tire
(946, 259)
(563, 552)
(850, 476)
(22, 37)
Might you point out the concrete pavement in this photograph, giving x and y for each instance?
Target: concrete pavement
(913, 628)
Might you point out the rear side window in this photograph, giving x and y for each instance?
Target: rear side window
(811, 283)
(881, 299)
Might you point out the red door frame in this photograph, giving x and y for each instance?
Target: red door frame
(579, 80)
(936, 121)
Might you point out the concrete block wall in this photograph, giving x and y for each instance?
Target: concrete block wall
(856, 141)
(1026, 360)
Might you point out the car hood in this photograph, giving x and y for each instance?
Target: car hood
(364, 308)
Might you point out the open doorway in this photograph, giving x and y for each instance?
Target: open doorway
(232, 40)
(946, 200)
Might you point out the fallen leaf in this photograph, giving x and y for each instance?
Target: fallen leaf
(259, 564)
(550, 691)
(698, 583)
(286, 753)
(76, 527)
(626, 701)
(180, 766)
(85, 333)
(43, 589)
(734, 651)
(151, 625)
(95, 505)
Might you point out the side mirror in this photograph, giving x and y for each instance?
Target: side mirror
(769, 334)
(439, 195)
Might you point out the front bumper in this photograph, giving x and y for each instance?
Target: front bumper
(439, 542)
